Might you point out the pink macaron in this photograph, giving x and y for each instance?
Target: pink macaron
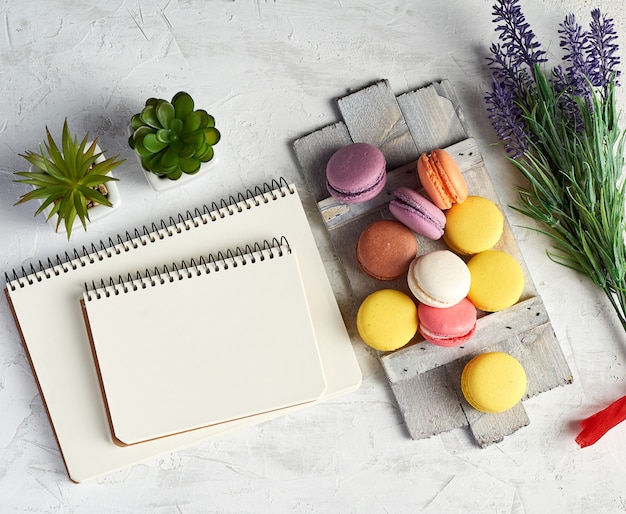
(417, 213)
(448, 326)
(356, 173)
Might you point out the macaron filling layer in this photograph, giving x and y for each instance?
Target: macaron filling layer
(441, 178)
(368, 191)
(450, 326)
(417, 213)
(446, 339)
(447, 185)
(431, 182)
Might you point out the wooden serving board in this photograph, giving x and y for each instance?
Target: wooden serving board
(425, 378)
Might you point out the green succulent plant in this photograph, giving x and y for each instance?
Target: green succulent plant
(171, 138)
(67, 179)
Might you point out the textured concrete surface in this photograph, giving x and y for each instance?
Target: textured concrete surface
(268, 71)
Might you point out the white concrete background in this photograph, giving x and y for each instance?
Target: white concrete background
(268, 71)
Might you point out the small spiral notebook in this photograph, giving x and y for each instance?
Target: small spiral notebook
(45, 302)
(190, 345)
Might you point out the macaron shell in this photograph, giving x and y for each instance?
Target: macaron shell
(385, 249)
(441, 178)
(473, 226)
(493, 382)
(431, 183)
(497, 280)
(417, 213)
(450, 326)
(356, 173)
(387, 319)
(453, 181)
(439, 278)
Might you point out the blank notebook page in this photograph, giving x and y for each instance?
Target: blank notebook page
(46, 307)
(202, 345)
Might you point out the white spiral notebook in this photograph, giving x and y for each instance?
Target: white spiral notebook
(45, 301)
(193, 344)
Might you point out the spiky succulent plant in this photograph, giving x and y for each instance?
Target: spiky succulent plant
(171, 138)
(68, 179)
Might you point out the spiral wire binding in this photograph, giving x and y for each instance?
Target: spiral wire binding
(213, 263)
(72, 259)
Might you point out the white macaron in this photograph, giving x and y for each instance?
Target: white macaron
(439, 279)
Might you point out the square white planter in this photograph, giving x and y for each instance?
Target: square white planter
(164, 184)
(98, 211)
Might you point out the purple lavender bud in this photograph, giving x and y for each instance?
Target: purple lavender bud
(518, 40)
(567, 94)
(506, 118)
(590, 61)
(601, 49)
(572, 82)
(573, 41)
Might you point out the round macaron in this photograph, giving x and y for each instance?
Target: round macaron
(493, 382)
(387, 319)
(385, 249)
(417, 213)
(356, 173)
(448, 326)
(441, 178)
(473, 226)
(497, 280)
(439, 279)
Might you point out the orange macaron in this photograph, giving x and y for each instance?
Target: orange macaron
(441, 178)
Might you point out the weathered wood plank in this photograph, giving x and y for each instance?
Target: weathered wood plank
(447, 409)
(498, 326)
(486, 428)
(416, 393)
(445, 90)
(432, 116)
(440, 414)
(489, 429)
(425, 378)
(313, 152)
(538, 351)
(373, 116)
(336, 213)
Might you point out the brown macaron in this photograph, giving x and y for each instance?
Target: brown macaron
(385, 249)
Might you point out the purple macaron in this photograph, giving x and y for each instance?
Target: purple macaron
(356, 173)
(416, 212)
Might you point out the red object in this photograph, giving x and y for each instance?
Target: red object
(595, 426)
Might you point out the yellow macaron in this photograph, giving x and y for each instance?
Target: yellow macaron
(497, 280)
(473, 226)
(493, 382)
(387, 319)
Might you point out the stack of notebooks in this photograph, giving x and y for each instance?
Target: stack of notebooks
(183, 331)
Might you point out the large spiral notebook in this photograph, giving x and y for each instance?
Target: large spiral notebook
(45, 301)
(216, 357)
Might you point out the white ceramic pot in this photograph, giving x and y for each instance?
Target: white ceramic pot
(163, 183)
